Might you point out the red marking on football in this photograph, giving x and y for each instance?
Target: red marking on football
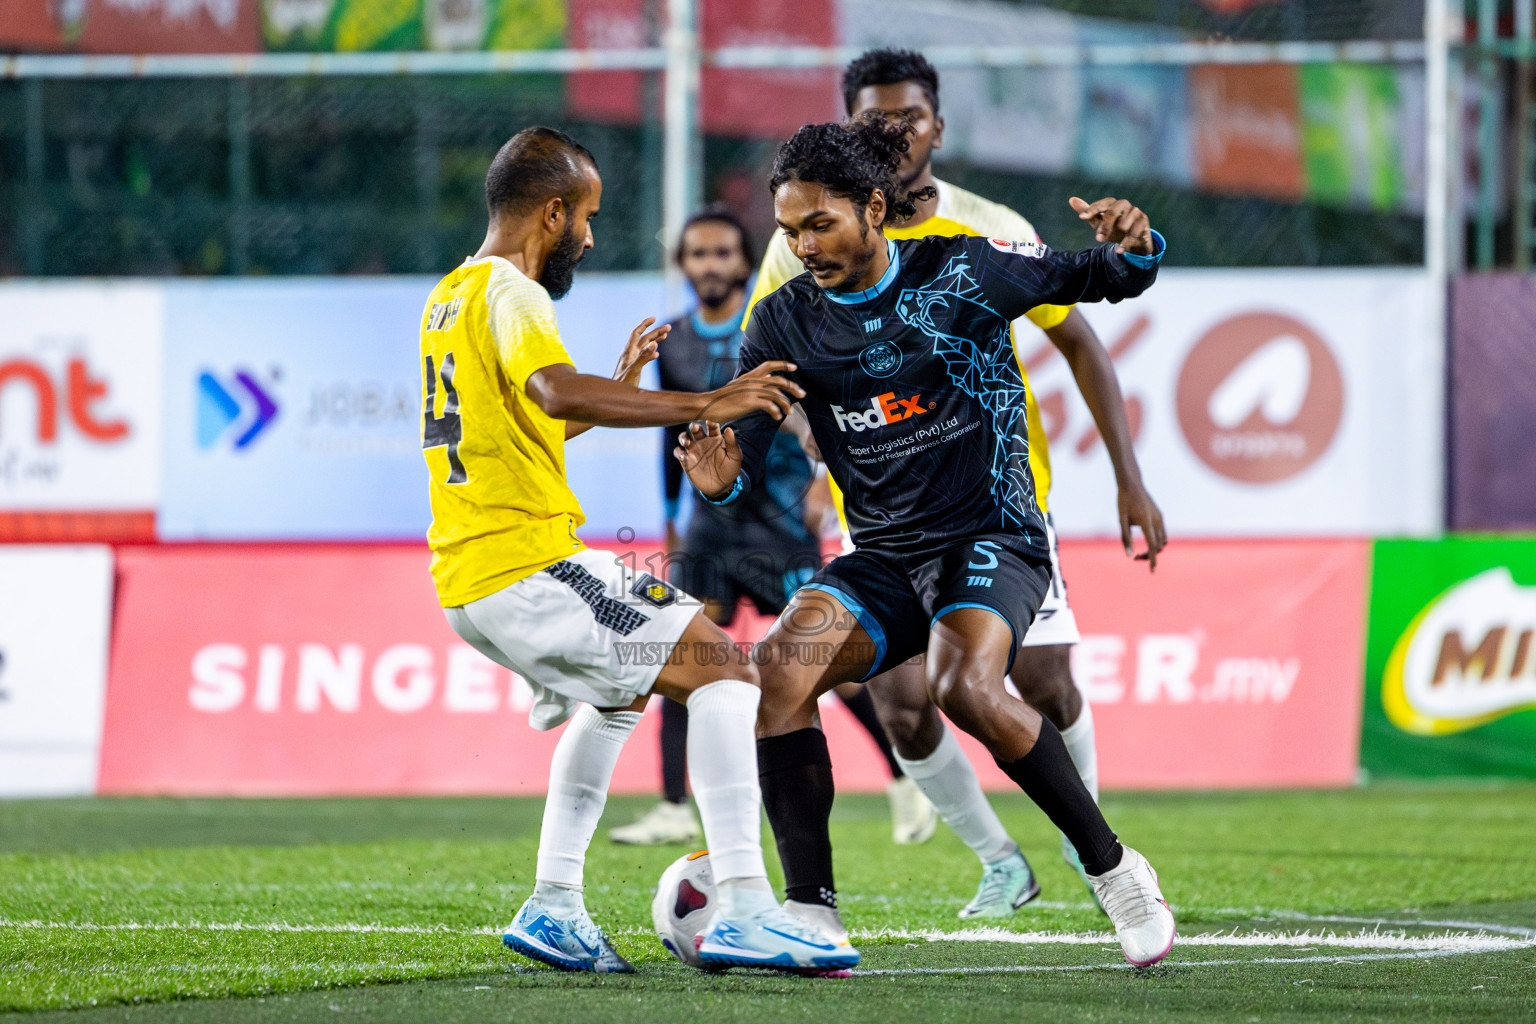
(689, 899)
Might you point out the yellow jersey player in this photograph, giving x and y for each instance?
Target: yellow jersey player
(904, 86)
(500, 397)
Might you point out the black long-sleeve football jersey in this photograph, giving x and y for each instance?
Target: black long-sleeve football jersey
(912, 388)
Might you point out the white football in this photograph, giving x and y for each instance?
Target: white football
(685, 900)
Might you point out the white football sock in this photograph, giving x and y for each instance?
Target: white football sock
(722, 766)
(578, 789)
(949, 782)
(560, 900)
(1084, 749)
(743, 897)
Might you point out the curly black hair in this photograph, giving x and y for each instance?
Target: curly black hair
(536, 164)
(852, 159)
(888, 66)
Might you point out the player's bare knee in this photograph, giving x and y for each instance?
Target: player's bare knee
(1043, 677)
(956, 692)
(901, 724)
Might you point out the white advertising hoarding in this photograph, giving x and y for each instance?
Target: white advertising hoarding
(1265, 403)
(55, 615)
(80, 396)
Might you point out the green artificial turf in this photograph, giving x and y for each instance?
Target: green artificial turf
(307, 909)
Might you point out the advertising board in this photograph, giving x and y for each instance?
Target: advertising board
(322, 669)
(55, 612)
(80, 410)
(1450, 673)
(1264, 403)
(330, 669)
(294, 410)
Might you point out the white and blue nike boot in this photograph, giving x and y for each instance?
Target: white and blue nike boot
(771, 937)
(567, 940)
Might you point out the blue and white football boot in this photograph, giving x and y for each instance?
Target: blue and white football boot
(773, 938)
(570, 942)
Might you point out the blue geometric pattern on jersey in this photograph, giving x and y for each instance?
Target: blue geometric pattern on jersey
(984, 370)
(616, 615)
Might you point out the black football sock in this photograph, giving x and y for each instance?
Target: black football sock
(1049, 777)
(674, 751)
(795, 771)
(863, 707)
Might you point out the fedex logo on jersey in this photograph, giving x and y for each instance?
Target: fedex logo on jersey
(883, 410)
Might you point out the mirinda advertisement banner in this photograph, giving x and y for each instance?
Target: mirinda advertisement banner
(282, 670)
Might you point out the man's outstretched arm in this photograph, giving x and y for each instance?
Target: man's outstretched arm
(564, 394)
(642, 348)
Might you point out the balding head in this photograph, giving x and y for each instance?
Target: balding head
(536, 165)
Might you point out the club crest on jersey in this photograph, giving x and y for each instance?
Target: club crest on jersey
(652, 591)
(881, 359)
(883, 410)
(1033, 249)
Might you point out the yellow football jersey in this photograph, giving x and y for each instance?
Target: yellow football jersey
(501, 508)
(959, 213)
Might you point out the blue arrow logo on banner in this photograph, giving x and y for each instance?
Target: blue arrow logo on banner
(217, 408)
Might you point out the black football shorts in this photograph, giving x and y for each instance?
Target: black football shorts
(896, 600)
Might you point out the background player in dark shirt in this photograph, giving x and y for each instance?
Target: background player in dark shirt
(915, 400)
(761, 548)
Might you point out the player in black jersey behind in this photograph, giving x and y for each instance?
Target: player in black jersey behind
(914, 397)
(760, 548)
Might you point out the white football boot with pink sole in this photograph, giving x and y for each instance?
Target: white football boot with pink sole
(1130, 895)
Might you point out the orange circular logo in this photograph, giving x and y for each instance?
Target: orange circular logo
(1260, 397)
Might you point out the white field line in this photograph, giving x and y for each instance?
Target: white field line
(418, 966)
(1292, 915)
(245, 926)
(1122, 966)
(1477, 937)
(1376, 939)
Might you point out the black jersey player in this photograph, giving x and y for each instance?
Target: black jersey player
(914, 397)
(760, 548)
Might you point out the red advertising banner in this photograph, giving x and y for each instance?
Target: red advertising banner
(133, 26)
(30, 25)
(288, 670)
(744, 103)
(755, 103)
(1238, 664)
(1247, 126)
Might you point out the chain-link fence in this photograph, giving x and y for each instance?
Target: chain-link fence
(1287, 157)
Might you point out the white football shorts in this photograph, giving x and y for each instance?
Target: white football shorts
(587, 628)
(1054, 622)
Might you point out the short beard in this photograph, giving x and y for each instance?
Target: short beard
(560, 265)
(857, 267)
(910, 179)
(730, 288)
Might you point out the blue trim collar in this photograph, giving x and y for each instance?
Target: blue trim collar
(872, 292)
(724, 329)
